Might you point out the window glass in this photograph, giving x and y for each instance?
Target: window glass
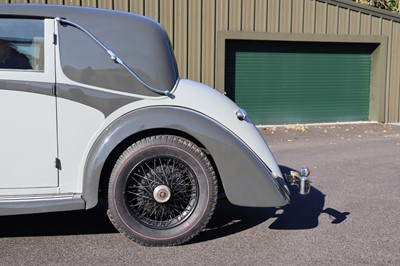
(21, 44)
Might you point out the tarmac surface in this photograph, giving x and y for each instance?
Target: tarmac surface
(351, 216)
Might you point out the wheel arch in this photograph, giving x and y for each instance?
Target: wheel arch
(124, 132)
(129, 140)
(245, 178)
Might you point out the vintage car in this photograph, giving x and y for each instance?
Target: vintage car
(92, 107)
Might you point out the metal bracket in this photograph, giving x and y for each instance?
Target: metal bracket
(300, 179)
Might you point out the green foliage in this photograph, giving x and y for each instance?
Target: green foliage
(391, 5)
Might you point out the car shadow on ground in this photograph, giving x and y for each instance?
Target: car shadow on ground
(301, 214)
(57, 224)
(228, 219)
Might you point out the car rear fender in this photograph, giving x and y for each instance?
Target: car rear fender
(246, 179)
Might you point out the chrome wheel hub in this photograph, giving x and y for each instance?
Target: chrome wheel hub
(162, 194)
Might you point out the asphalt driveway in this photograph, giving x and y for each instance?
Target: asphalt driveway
(351, 216)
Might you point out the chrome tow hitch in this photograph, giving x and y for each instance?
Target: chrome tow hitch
(300, 179)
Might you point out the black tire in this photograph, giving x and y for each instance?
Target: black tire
(162, 191)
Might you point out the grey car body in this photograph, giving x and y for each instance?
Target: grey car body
(184, 112)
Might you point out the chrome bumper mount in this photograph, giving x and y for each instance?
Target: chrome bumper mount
(301, 179)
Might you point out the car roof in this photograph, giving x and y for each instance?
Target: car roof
(52, 11)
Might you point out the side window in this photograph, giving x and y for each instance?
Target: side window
(22, 44)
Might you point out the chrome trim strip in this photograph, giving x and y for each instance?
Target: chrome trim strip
(41, 204)
(21, 198)
(113, 56)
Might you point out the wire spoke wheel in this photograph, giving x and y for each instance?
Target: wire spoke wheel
(161, 192)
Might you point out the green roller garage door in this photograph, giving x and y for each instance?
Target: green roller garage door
(299, 82)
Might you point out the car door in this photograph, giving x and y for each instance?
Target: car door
(28, 135)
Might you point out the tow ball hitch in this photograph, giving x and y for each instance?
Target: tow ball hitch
(300, 179)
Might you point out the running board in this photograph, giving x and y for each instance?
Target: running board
(40, 204)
